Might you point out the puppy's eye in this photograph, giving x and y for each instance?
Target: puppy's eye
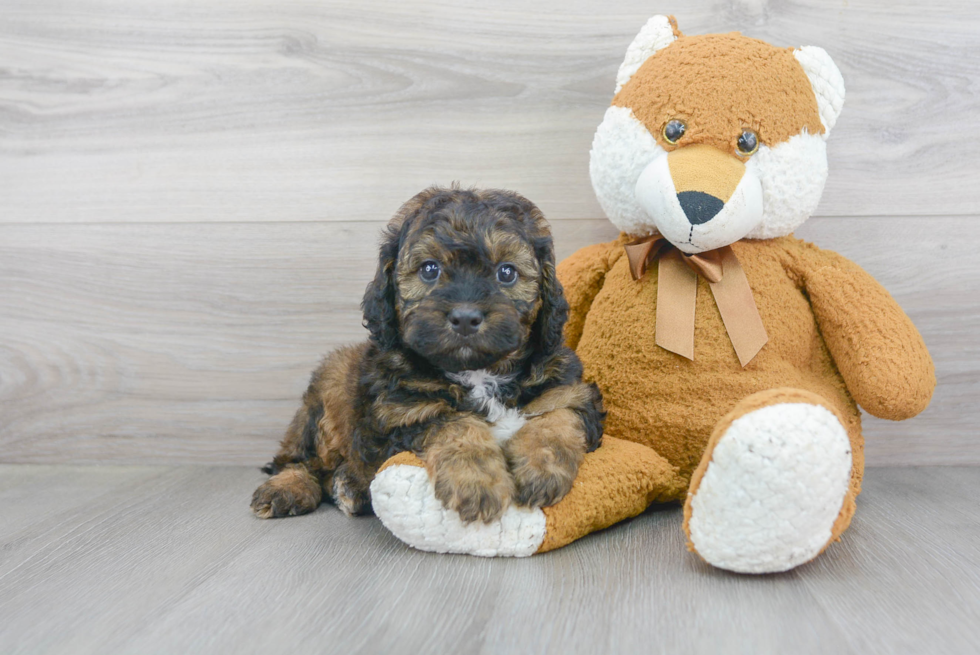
(506, 274)
(674, 130)
(429, 271)
(748, 143)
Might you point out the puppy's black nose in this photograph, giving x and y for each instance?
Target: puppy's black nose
(466, 320)
(699, 207)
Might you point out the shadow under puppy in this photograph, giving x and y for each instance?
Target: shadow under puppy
(465, 367)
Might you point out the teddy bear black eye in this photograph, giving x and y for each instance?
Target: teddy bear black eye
(507, 274)
(429, 271)
(674, 130)
(748, 142)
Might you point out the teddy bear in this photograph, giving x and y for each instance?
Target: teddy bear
(732, 357)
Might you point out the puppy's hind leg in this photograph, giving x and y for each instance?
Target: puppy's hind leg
(316, 443)
(293, 488)
(292, 491)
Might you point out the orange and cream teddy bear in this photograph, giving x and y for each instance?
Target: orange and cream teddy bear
(732, 357)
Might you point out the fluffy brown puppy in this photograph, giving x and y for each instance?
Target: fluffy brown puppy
(465, 367)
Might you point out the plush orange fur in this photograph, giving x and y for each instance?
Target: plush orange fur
(836, 337)
(834, 333)
(751, 84)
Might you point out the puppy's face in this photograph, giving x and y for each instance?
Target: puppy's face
(471, 279)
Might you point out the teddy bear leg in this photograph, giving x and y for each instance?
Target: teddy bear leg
(774, 485)
(617, 481)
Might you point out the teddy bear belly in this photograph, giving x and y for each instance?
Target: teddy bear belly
(671, 404)
(678, 412)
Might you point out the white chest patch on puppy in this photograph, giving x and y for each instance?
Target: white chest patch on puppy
(484, 395)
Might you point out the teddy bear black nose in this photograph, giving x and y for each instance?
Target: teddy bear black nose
(466, 320)
(699, 207)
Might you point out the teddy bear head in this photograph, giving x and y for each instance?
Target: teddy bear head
(714, 138)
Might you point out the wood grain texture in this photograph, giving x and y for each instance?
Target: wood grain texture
(192, 343)
(312, 110)
(39, 503)
(190, 193)
(907, 519)
(172, 562)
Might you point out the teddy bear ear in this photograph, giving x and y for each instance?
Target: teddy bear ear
(659, 32)
(827, 83)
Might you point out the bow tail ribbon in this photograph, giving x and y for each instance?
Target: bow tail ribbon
(677, 296)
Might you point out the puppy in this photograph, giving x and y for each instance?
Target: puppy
(465, 367)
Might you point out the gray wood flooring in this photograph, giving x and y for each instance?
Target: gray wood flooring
(169, 560)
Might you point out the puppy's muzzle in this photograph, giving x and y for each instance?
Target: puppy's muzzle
(466, 319)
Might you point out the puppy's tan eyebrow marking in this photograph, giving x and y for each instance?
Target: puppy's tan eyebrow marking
(508, 247)
(425, 247)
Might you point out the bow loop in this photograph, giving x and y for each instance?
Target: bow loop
(708, 265)
(642, 252)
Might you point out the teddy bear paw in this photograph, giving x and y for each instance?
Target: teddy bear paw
(772, 490)
(404, 498)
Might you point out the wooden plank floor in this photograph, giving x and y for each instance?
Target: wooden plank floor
(169, 560)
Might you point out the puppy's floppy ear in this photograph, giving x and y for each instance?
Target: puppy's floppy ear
(548, 331)
(378, 305)
(547, 334)
(380, 317)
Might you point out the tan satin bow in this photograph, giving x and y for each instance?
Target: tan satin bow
(677, 290)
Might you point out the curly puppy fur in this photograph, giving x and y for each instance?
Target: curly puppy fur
(426, 384)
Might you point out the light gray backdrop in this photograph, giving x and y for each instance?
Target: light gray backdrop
(190, 194)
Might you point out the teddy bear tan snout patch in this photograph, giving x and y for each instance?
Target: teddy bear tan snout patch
(700, 198)
(704, 179)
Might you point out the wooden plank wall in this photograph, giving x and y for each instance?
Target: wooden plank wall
(190, 193)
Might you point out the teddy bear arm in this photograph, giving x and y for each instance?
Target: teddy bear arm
(877, 349)
(582, 275)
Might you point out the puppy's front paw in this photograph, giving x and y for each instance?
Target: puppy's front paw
(289, 493)
(478, 490)
(543, 481)
(544, 457)
(349, 494)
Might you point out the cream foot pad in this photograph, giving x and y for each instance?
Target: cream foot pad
(772, 490)
(617, 481)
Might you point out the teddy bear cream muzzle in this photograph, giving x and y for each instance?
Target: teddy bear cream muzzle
(700, 198)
